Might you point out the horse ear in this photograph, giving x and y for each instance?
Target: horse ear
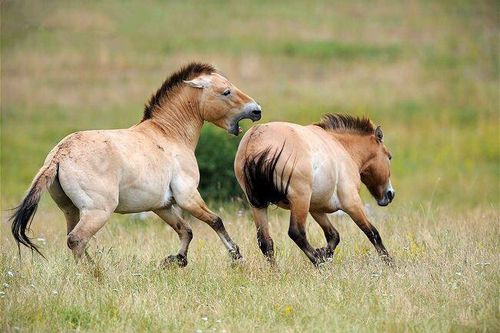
(378, 134)
(199, 82)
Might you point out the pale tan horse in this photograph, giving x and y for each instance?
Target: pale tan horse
(148, 167)
(315, 169)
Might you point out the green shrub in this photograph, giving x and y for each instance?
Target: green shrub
(215, 154)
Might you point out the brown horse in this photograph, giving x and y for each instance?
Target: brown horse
(315, 169)
(148, 167)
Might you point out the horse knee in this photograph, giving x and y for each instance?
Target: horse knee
(216, 224)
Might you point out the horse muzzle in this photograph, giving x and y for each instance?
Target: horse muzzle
(251, 111)
(388, 197)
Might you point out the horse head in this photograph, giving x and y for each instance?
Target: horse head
(222, 103)
(376, 173)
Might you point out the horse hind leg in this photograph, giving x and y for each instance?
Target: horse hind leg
(72, 216)
(70, 211)
(297, 230)
(91, 221)
(172, 216)
(264, 240)
(331, 234)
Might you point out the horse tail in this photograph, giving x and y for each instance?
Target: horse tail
(261, 185)
(24, 213)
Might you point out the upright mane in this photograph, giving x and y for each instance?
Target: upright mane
(345, 123)
(187, 72)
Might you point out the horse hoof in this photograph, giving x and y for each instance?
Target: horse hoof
(236, 256)
(388, 261)
(319, 262)
(325, 253)
(174, 260)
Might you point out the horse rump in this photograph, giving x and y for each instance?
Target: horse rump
(261, 185)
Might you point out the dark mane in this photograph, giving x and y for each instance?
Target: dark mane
(187, 72)
(346, 123)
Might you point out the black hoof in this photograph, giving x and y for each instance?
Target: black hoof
(235, 255)
(318, 261)
(388, 260)
(325, 253)
(174, 260)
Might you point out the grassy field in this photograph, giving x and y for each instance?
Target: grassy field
(428, 72)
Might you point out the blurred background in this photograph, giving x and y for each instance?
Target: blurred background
(427, 71)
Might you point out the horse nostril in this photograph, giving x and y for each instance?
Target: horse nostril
(391, 195)
(256, 112)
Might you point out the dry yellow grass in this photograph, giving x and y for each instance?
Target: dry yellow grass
(446, 278)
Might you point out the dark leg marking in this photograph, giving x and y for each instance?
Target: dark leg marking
(299, 237)
(266, 245)
(373, 235)
(218, 226)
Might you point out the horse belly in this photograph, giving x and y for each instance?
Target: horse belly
(136, 199)
(324, 188)
(326, 201)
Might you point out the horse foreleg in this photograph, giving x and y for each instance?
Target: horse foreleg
(359, 217)
(197, 207)
(331, 234)
(172, 216)
(263, 238)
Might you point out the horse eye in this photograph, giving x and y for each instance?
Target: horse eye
(226, 92)
(390, 157)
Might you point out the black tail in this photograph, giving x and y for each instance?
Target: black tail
(22, 218)
(24, 213)
(260, 185)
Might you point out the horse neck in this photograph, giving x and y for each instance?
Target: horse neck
(179, 119)
(358, 147)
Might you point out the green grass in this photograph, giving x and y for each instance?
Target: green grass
(427, 71)
(341, 51)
